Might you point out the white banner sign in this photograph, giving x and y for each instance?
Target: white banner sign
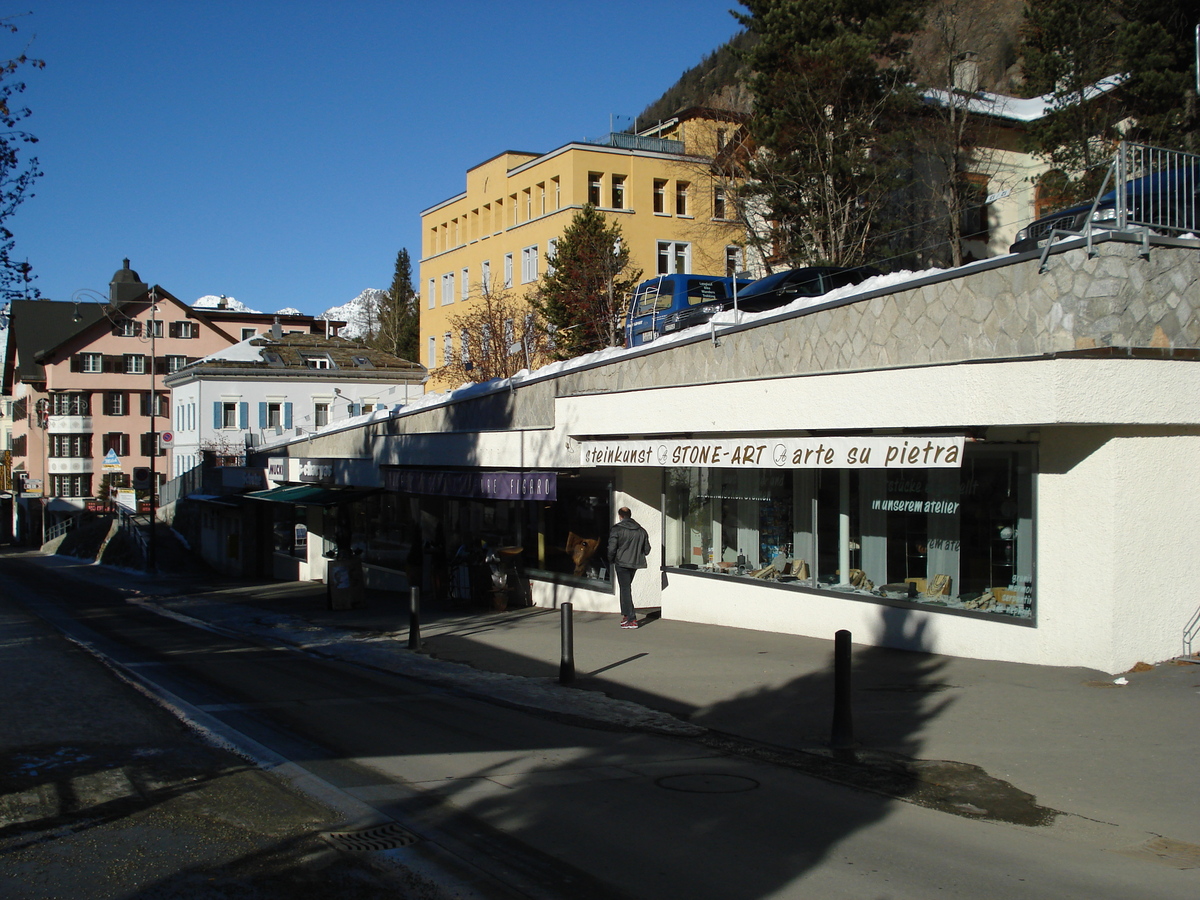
(782, 453)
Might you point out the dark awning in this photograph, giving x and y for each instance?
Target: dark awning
(312, 494)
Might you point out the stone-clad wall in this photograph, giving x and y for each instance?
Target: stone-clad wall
(1116, 298)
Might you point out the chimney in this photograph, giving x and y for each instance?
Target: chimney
(276, 330)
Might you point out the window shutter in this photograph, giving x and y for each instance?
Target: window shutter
(244, 415)
(137, 329)
(262, 415)
(216, 414)
(77, 363)
(287, 415)
(173, 329)
(164, 406)
(145, 403)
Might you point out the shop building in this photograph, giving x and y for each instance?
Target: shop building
(993, 461)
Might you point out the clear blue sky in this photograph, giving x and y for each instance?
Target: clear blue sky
(280, 151)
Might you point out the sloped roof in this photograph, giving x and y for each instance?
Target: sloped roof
(37, 327)
(291, 354)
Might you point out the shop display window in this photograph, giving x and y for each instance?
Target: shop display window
(954, 538)
(564, 539)
(291, 529)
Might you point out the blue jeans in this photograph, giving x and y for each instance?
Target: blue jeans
(624, 582)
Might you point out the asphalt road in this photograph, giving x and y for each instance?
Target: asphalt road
(499, 802)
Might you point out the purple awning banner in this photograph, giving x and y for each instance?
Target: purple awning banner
(473, 485)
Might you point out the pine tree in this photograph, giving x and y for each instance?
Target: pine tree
(832, 107)
(587, 283)
(399, 314)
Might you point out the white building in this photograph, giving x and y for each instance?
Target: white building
(275, 384)
(994, 461)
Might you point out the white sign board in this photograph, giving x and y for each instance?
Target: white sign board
(126, 498)
(757, 452)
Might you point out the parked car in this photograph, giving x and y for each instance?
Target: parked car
(782, 288)
(670, 303)
(1167, 200)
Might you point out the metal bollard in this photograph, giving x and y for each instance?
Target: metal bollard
(566, 668)
(414, 619)
(842, 739)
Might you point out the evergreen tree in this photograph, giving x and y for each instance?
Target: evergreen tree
(399, 314)
(1156, 41)
(831, 117)
(588, 281)
(16, 175)
(1068, 47)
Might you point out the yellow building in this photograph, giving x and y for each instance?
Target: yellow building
(657, 185)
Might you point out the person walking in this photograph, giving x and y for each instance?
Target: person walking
(628, 545)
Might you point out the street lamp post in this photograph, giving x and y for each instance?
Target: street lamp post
(151, 542)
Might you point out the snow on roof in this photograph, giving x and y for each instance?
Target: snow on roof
(1019, 109)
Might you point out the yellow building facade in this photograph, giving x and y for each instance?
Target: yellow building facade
(658, 185)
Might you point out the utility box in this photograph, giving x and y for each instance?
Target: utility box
(344, 584)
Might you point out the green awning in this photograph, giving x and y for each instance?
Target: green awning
(312, 494)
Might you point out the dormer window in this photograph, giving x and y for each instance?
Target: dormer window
(318, 362)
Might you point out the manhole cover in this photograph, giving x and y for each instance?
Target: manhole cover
(707, 783)
(381, 837)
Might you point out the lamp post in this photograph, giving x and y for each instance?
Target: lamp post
(151, 542)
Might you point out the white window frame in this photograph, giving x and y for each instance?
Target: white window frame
(432, 352)
(485, 275)
(529, 264)
(184, 329)
(91, 362)
(135, 364)
(127, 328)
(673, 252)
(175, 363)
(447, 288)
(508, 270)
(229, 415)
(617, 190)
(432, 293)
(551, 249)
(248, 333)
(464, 289)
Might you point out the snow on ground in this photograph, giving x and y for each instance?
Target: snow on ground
(388, 651)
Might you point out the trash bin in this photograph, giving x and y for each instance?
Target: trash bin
(344, 584)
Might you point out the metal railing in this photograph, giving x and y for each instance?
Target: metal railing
(1146, 188)
(61, 528)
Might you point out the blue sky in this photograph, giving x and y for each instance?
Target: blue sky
(281, 152)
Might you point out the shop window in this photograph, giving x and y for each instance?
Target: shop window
(939, 537)
(291, 530)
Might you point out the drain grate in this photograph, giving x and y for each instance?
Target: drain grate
(380, 837)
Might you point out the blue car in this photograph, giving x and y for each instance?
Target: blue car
(1165, 201)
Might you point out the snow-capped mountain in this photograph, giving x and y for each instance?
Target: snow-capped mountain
(210, 301)
(360, 314)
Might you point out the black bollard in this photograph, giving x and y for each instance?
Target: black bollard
(842, 740)
(566, 668)
(414, 619)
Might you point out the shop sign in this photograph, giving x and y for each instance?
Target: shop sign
(474, 485)
(316, 471)
(905, 452)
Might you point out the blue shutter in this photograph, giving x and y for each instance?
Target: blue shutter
(262, 415)
(244, 415)
(217, 415)
(287, 415)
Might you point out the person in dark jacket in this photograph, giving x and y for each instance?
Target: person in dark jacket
(628, 545)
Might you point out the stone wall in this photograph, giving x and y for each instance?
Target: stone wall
(1002, 310)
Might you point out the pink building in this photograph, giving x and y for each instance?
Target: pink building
(87, 383)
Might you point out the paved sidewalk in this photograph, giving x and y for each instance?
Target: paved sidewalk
(1106, 752)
